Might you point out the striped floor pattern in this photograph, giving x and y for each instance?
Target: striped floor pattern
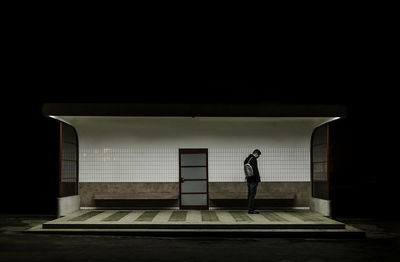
(274, 223)
(174, 218)
(206, 216)
(234, 219)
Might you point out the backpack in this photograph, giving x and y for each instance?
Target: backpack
(248, 169)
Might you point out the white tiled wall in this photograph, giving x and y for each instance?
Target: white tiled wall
(147, 149)
(274, 164)
(130, 164)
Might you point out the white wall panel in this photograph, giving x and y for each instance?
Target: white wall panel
(274, 164)
(145, 149)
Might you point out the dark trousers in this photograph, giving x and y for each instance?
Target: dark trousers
(251, 194)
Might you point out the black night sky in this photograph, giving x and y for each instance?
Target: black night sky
(304, 54)
(83, 68)
(31, 178)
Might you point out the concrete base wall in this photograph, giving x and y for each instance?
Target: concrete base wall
(66, 205)
(321, 206)
(221, 194)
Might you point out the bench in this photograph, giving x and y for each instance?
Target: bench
(229, 194)
(238, 190)
(144, 200)
(134, 191)
(160, 196)
(136, 196)
(243, 195)
(239, 200)
(234, 194)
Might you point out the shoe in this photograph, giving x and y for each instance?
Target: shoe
(254, 212)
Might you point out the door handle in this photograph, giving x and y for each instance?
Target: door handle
(182, 180)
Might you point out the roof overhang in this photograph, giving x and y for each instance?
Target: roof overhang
(194, 110)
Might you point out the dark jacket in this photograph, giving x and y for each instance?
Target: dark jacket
(253, 163)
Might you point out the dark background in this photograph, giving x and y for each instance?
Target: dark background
(55, 60)
(30, 182)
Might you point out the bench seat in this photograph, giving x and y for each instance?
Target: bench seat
(141, 196)
(243, 195)
(224, 195)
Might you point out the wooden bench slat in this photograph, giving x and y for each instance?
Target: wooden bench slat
(226, 195)
(243, 195)
(135, 196)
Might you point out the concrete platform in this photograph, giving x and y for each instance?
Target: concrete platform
(290, 223)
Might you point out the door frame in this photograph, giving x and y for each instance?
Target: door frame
(193, 151)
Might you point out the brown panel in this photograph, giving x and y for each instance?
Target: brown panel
(128, 191)
(163, 193)
(288, 194)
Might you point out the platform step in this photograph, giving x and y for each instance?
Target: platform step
(192, 226)
(192, 219)
(348, 232)
(269, 223)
